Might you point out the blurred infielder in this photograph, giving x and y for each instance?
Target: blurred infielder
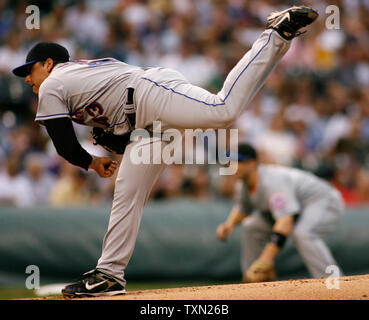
(274, 202)
(116, 98)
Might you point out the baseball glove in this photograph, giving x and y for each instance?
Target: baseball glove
(110, 141)
(260, 272)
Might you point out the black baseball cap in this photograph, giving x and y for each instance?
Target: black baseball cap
(41, 52)
(246, 152)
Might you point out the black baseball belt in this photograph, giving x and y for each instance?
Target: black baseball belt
(131, 116)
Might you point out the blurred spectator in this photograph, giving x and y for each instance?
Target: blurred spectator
(170, 182)
(35, 183)
(197, 183)
(252, 123)
(313, 111)
(55, 22)
(278, 145)
(362, 183)
(6, 16)
(28, 188)
(198, 69)
(72, 188)
(136, 13)
(89, 28)
(9, 193)
(11, 53)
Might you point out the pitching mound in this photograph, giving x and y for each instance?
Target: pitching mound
(350, 288)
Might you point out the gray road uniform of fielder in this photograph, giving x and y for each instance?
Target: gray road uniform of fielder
(94, 93)
(287, 191)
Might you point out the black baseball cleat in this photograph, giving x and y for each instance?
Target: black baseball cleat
(93, 284)
(288, 22)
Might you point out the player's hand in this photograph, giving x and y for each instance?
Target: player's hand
(224, 230)
(104, 167)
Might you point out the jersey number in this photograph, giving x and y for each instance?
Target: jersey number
(95, 110)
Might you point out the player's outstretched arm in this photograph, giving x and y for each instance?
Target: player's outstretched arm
(226, 228)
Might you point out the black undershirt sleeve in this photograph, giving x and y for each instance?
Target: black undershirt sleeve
(62, 134)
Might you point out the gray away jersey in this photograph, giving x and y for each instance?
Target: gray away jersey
(89, 92)
(281, 191)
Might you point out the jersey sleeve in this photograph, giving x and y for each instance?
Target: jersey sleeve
(283, 201)
(52, 103)
(242, 199)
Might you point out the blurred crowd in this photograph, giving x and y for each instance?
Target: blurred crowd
(313, 112)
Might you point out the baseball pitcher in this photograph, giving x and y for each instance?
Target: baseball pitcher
(274, 202)
(115, 98)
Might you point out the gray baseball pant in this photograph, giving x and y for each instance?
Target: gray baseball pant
(163, 94)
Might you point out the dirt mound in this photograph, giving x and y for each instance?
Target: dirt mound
(350, 288)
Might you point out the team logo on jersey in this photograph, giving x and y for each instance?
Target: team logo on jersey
(78, 117)
(278, 201)
(96, 111)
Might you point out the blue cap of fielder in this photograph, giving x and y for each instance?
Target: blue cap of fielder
(246, 152)
(41, 52)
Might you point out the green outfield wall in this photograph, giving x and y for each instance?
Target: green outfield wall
(177, 241)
